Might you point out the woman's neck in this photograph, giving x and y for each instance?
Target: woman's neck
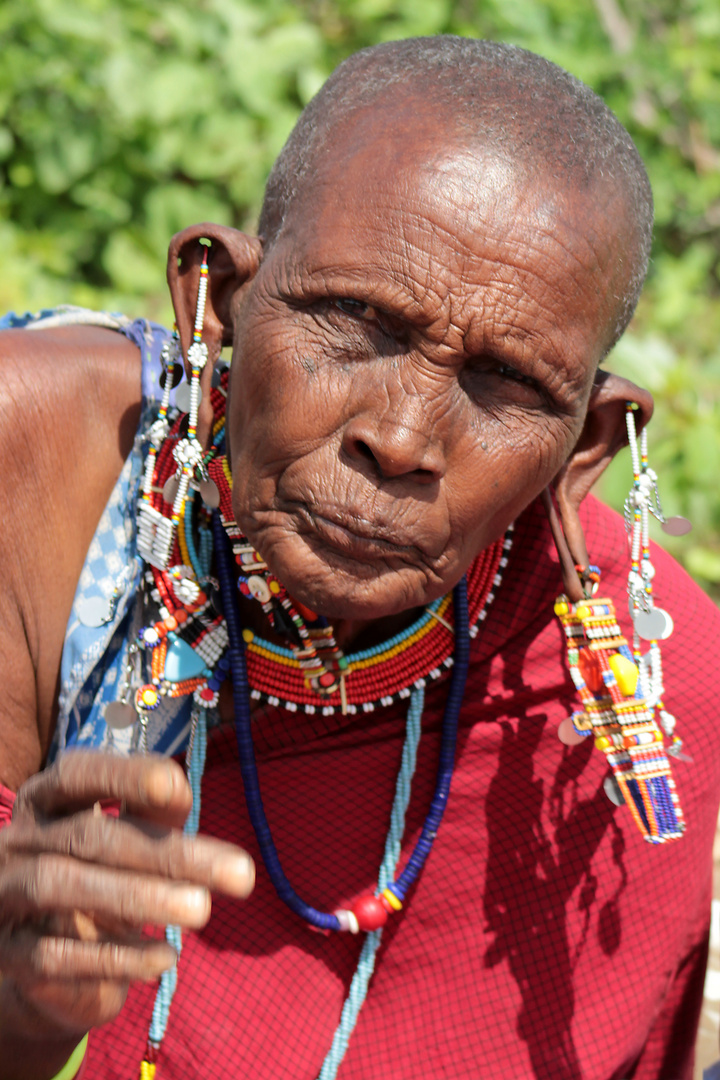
(349, 633)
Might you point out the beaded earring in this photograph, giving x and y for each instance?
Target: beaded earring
(187, 643)
(619, 718)
(621, 690)
(150, 518)
(650, 622)
(156, 529)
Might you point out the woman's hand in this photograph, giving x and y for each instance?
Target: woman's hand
(78, 885)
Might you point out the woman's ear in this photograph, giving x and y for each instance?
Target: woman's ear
(603, 434)
(233, 259)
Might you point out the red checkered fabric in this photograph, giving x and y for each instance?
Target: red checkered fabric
(545, 937)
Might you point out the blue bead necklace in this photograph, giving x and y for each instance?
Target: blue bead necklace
(370, 912)
(395, 891)
(391, 891)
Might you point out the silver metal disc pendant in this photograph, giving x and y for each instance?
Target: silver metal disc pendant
(120, 715)
(655, 625)
(93, 610)
(170, 489)
(677, 526)
(209, 493)
(218, 372)
(612, 790)
(182, 397)
(567, 733)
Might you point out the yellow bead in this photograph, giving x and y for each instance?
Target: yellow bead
(583, 611)
(147, 1070)
(625, 672)
(561, 607)
(248, 636)
(602, 743)
(149, 697)
(274, 587)
(392, 900)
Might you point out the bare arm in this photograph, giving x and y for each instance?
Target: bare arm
(69, 406)
(76, 886)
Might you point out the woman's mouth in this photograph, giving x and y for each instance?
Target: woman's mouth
(358, 539)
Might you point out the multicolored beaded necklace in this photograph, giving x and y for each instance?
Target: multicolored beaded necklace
(192, 648)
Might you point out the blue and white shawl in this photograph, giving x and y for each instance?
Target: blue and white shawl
(94, 657)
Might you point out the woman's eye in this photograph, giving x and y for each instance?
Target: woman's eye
(507, 372)
(358, 308)
(490, 380)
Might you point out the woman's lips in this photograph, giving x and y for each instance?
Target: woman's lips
(360, 539)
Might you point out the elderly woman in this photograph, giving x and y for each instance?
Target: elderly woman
(345, 543)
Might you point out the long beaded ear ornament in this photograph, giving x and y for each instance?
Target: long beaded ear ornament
(620, 690)
(156, 529)
(650, 622)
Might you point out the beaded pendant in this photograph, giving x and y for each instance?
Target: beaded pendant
(310, 637)
(617, 717)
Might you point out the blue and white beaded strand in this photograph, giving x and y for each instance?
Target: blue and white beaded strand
(196, 752)
(392, 892)
(366, 961)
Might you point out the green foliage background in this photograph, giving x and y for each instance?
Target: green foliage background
(121, 121)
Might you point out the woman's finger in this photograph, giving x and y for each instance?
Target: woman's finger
(150, 786)
(133, 844)
(28, 956)
(38, 885)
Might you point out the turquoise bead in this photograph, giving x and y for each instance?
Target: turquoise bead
(182, 662)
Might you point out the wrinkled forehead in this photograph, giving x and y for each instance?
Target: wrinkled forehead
(406, 192)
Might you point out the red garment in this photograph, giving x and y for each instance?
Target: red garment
(545, 937)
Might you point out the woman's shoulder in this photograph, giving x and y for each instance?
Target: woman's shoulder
(70, 399)
(91, 369)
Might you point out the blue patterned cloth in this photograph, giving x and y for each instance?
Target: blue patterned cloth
(94, 657)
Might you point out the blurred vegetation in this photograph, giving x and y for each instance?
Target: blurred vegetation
(121, 121)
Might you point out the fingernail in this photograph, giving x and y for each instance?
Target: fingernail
(235, 874)
(196, 900)
(157, 785)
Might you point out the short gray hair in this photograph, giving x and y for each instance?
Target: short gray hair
(508, 98)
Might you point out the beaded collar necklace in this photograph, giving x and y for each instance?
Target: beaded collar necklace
(366, 679)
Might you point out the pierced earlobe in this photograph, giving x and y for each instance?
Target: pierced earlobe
(580, 577)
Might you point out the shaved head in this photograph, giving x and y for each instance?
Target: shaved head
(497, 100)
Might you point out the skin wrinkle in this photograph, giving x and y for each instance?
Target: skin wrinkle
(505, 270)
(453, 314)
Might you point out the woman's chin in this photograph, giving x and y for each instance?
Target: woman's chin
(335, 585)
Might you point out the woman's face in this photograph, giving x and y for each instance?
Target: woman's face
(412, 365)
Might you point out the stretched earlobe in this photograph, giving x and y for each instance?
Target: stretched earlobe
(233, 260)
(603, 434)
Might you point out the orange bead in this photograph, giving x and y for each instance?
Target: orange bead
(180, 616)
(589, 668)
(306, 613)
(170, 623)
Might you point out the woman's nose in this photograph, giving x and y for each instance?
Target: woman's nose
(399, 442)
